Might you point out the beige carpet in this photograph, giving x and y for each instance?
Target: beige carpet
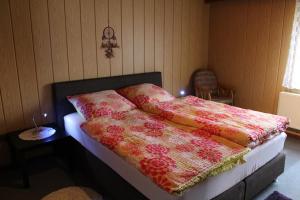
(70, 193)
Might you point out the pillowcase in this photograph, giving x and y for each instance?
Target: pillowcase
(103, 103)
(145, 93)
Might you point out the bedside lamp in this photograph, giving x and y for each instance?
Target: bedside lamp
(38, 132)
(182, 93)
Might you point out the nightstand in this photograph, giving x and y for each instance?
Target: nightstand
(21, 147)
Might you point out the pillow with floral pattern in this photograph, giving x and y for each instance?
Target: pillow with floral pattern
(103, 103)
(145, 93)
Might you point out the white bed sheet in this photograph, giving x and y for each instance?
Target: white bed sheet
(208, 189)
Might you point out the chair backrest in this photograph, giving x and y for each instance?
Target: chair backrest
(205, 79)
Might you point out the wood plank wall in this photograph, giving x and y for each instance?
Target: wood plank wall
(46, 41)
(248, 48)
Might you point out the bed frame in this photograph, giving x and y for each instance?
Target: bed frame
(104, 177)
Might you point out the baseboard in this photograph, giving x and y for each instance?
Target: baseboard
(293, 132)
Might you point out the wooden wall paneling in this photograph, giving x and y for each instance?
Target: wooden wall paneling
(212, 36)
(73, 28)
(238, 37)
(214, 33)
(159, 36)
(258, 58)
(185, 43)
(222, 33)
(274, 54)
(115, 22)
(22, 31)
(199, 34)
(46, 41)
(193, 37)
(213, 39)
(231, 49)
(198, 38)
(249, 55)
(101, 11)
(168, 44)
(257, 88)
(2, 117)
(127, 36)
(241, 35)
(240, 19)
(139, 35)
(149, 35)
(56, 9)
(203, 45)
(285, 45)
(9, 82)
(43, 58)
(177, 35)
(237, 14)
(89, 50)
(193, 40)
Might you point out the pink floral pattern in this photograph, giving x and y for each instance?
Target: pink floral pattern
(245, 127)
(157, 165)
(166, 115)
(139, 100)
(154, 125)
(157, 149)
(114, 129)
(130, 148)
(184, 147)
(103, 103)
(201, 132)
(164, 182)
(111, 140)
(171, 155)
(102, 111)
(145, 93)
(87, 110)
(137, 128)
(118, 115)
(208, 144)
(211, 155)
(154, 133)
(192, 100)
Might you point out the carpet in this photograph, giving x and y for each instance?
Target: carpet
(277, 196)
(74, 192)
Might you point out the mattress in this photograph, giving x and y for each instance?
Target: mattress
(208, 189)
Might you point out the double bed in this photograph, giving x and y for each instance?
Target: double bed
(263, 164)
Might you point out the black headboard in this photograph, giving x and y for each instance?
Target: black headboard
(63, 89)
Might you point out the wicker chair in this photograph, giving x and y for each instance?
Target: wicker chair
(206, 86)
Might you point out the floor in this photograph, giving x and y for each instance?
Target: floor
(288, 182)
(46, 169)
(53, 171)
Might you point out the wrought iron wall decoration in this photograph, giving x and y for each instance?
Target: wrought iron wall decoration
(109, 41)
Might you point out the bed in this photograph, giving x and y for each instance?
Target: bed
(242, 182)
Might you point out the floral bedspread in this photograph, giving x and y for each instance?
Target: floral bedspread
(175, 157)
(245, 127)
